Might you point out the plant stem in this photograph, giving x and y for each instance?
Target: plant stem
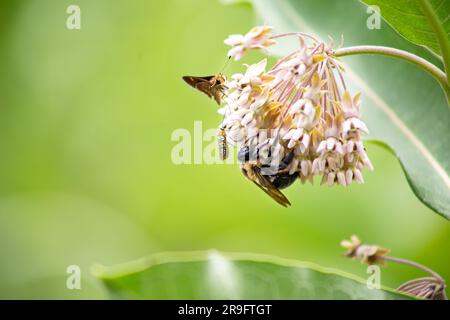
(441, 34)
(407, 56)
(414, 264)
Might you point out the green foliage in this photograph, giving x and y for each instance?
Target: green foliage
(407, 17)
(213, 275)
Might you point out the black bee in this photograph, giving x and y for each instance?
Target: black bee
(267, 179)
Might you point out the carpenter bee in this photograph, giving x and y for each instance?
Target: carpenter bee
(270, 182)
(213, 86)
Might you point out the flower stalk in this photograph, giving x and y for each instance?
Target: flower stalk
(404, 55)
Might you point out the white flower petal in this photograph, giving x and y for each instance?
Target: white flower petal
(346, 127)
(288, 136)
(361, 126)
(349, 176)
(234, 40)
(322, 146)
(339, 148)
(294, 166)
(292, 143)
(297, 134)
(247, 119)
(256, 69)
(368, 163)
(236, 52)
(301, 69)
(360, 146)
(252, 132)
(305, 140)
(315, 166)
(305, 165)
(330, 143)
(349, 146)
(350, 157)
(358, 176)
(341, 178)
(330, 178)
(297, 105)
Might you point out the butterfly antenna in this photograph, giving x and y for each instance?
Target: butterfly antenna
(225, 64)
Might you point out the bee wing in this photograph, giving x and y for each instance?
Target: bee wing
(265, 185)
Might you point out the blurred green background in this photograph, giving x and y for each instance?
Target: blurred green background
(85, 169)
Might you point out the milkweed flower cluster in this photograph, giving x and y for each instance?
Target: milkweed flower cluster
(300, 106)
(257, 38)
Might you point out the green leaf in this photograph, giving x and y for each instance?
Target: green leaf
(214, 275)
(402, 105)
(408, 18)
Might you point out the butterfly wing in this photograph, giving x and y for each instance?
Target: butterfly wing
(209, 85)
(203, 84)
(193, 80)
